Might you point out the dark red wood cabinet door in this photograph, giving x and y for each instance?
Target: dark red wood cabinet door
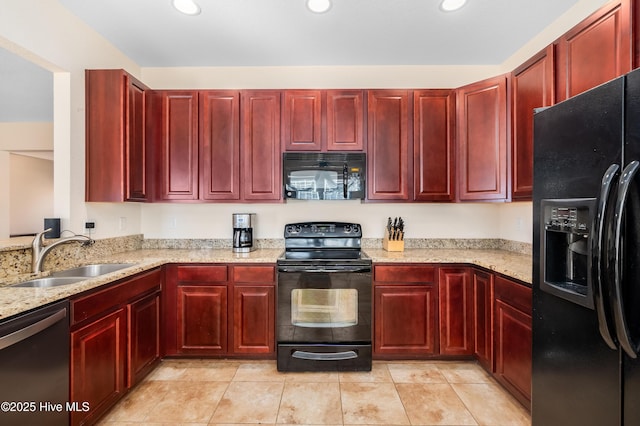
(482, 140)
(345, 120)
(98, 365)
(260, 146)
(219, 129)
(483, 317)
(532, 87)
(136, 145)
(456, 311)
(144, 337)
(302, 120)
(254, 319)
(595, 51)
(202, 319)
(513, 336)
(179, 146)
(405, 320)
(390, 168)
(433, 145)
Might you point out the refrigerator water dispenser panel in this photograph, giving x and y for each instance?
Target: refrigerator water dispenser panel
(566, 249)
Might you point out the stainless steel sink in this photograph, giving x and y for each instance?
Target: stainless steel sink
(49, 282)
(95, 270)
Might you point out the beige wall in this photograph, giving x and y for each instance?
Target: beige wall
(31, 194)
(44, 31)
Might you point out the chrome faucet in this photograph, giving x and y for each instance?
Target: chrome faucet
(39, 251)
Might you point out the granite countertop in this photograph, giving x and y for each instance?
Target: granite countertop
(14, 300)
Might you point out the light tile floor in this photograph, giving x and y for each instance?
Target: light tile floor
(220, 392)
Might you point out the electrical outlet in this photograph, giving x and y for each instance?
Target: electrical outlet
(123, 223)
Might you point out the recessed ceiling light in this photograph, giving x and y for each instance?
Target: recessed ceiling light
(319, 6)
(451, 5)
(188, 7)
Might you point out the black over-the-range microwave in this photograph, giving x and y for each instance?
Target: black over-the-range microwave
(324, 176)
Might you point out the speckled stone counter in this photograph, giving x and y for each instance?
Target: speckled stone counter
(514, 265)
(14, 300)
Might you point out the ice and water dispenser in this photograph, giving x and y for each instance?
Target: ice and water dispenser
(566, 249)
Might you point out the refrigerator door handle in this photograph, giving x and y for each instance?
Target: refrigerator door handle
(598, 262)
(622, 329)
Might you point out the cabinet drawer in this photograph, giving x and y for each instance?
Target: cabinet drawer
(202, 273)
(115, 295)
(405, 274)
(253, 274)
(513, 293)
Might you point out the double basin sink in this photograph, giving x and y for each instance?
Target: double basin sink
(74, 275)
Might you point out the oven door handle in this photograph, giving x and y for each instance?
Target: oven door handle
(353, 269)
(325, 356)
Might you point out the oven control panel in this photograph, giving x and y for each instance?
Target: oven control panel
(322, 229)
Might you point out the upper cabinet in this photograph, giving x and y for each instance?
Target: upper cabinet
(482, 140)
(116, 152)
(434, 145)
(532, 86)
(260, 145)
(595, 51)
(389, 164)
(345, 120)
(323, 120)
(219, 127)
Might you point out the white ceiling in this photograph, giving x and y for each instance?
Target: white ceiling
(285, 33)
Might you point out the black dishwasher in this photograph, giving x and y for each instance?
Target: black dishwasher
(34, 367)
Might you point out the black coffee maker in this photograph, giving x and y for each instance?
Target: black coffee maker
(243, 224)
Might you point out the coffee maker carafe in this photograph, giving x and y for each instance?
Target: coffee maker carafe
(243, 224)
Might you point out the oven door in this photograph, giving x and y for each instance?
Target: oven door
(324, 318)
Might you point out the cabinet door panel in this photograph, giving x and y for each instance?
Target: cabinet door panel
(433, 145)
(219, 115)
(405, 320)
(144, 337)
(302, 120)
(202, 319)
(254, 319)
(483, 318)
(98, 353)
(136, 149)
(456, 312)
(532, 87)
(179, 152)
(345, 120)
(482, 140)
(603, 39)
(389, 166)
(261, 145)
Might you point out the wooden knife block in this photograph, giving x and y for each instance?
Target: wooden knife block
(392, 245)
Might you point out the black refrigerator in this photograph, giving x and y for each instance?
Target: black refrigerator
(586, 258)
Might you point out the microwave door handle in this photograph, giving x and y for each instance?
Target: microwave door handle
(345, 179)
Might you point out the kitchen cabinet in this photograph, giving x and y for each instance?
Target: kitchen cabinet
(389, 165)
(115, 337)
(405, 311)
(595, 51)
(513, 336)
(219, 145)
(302, 120)
(345, 120)
(116, 152)
(433, 145)
(532, 87)
(220, 310)
(177, 146)
(482, 140)
(483, 317)
(254, 310)
(455, 306)
(260, 146)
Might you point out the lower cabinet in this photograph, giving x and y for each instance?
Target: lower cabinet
(456, 311)
(220, 310)
(115, 341)
(513, 336)
(483, 318)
